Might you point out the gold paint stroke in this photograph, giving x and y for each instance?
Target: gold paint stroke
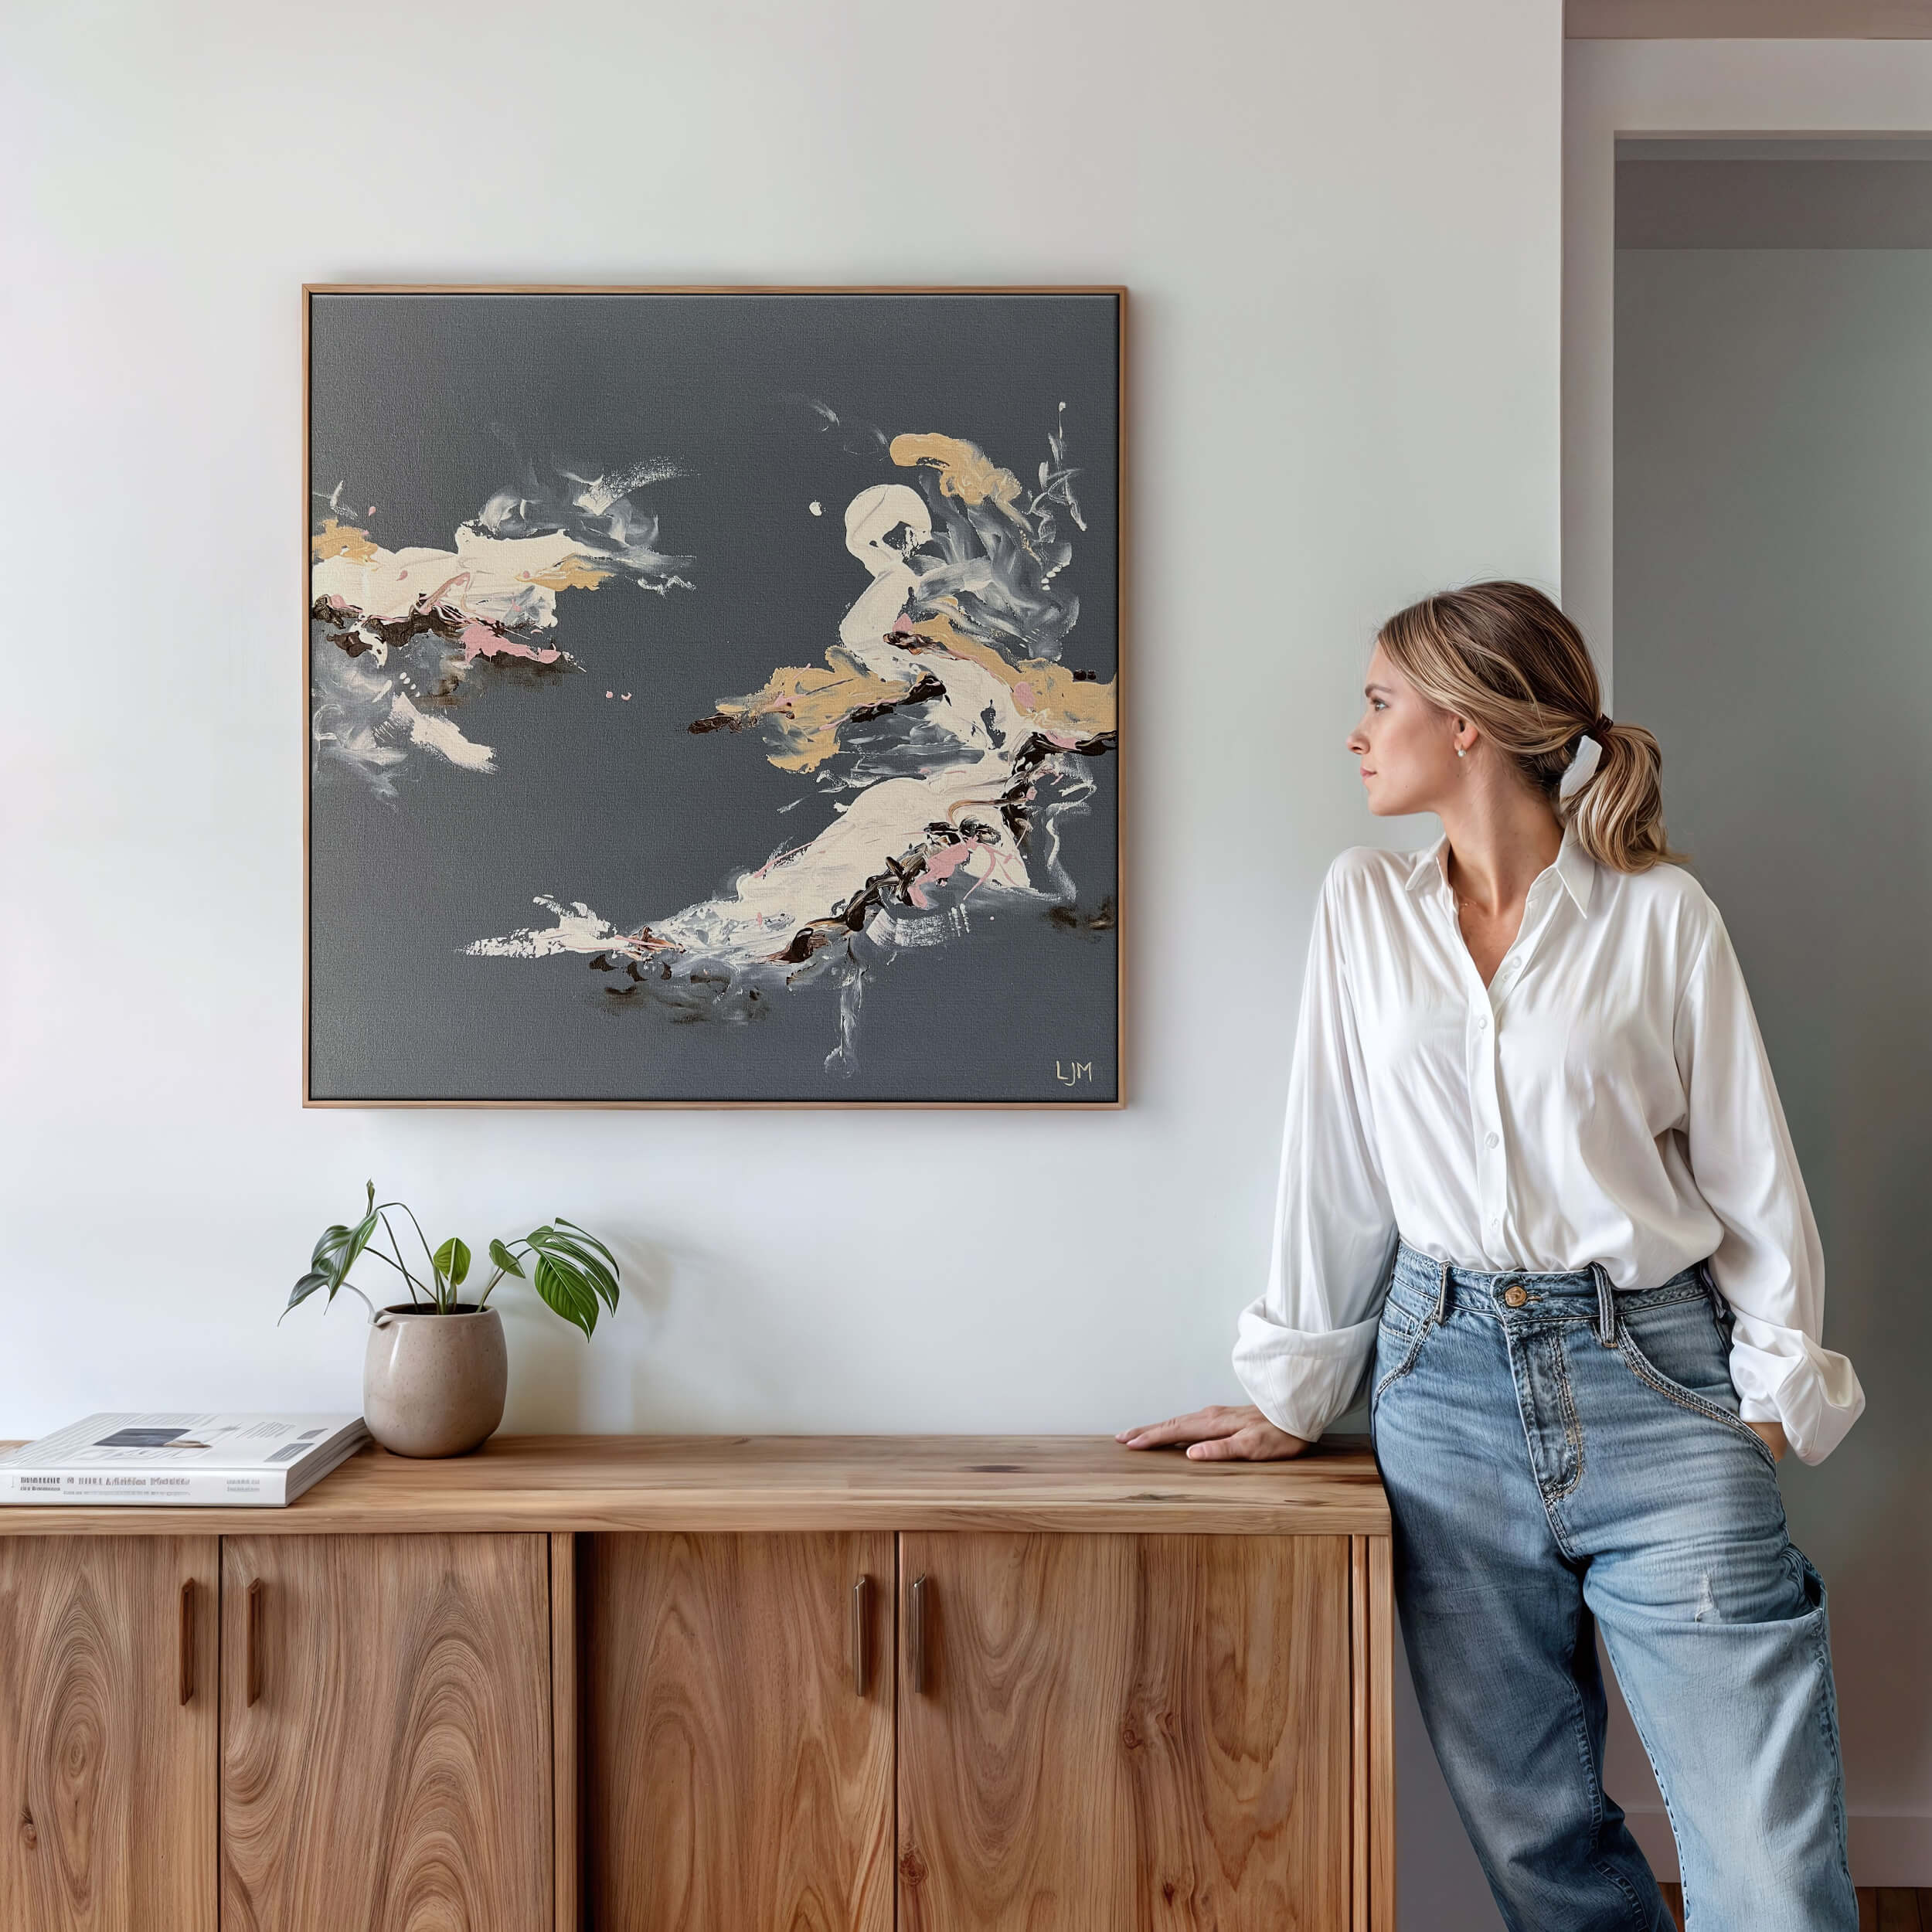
(341, 539)
(1063, 704)
(809, 703)
(572, 572)
(965, 470)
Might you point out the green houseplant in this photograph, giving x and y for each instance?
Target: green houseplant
(436, 1369)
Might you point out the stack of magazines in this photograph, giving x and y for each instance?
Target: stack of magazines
(250, 1460)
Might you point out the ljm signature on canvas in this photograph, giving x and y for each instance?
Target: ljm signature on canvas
(1070, 1073)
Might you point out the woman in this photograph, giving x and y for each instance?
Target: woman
(1538, 1193)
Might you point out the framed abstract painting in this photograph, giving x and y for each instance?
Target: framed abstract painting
(713, 697)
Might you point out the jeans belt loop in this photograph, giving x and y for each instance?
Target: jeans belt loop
(1606, 1306)
(1720, 1306)
(1442, 1293)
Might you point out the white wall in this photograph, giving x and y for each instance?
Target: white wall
(1339, 225)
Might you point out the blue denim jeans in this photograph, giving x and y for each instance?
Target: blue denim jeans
(1560, 1455)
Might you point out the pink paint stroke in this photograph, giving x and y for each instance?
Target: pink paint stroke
(479, 640)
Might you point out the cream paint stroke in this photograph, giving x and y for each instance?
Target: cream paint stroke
(578, 930)
(441, 735)
(492, 596)
(510, 583)
(755, 922)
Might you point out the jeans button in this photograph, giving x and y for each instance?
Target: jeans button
(1515, 1294)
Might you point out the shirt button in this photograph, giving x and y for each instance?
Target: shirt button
(1489, 1140)
(1481, 1023)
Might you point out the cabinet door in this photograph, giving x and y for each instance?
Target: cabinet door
(738, 1722)
(386, 1733)
(107, 1736)
(1124, 1730)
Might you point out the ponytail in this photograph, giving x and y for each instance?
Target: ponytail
(1618, 810)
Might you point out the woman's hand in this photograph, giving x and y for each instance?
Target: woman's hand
(1773, 1434)
(1218, 1434)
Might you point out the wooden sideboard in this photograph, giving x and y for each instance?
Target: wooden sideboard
(715, 1684)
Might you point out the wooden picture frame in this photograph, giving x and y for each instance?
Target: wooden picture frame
(926, 705)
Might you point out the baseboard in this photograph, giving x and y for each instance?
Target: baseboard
(1888, 1848)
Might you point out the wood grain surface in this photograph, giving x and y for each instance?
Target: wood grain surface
(394, 1774)
(1372, 1825)
(566, 1743)
(735, 1781)
(1380, 1741)
(589, 1483)
(107, 1817)
(1126, 1732)
(1361, 1782)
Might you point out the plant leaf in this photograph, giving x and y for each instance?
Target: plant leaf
(566, 1295)
(583, 1287)
(505, 1260)
(566, 1247)
(303, 1289)
(359, 1236)
(331, 1239)
(452, 1259)
(590, 1266)
(335, 1252)
(584, 1234)
(604, 1279)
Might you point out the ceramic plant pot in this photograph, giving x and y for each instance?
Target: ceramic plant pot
(433, 1385)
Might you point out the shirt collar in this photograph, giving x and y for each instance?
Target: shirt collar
(1574, 868)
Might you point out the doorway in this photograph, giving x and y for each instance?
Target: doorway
(1771, 579)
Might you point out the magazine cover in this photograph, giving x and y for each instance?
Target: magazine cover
(244, 1460)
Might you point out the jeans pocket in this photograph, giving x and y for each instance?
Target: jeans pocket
(1399, 1340)
(1399, 1320)
(1684, 1337)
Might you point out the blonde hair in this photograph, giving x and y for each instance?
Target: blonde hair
(1503, 655)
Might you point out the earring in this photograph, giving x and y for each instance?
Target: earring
(1459, 751)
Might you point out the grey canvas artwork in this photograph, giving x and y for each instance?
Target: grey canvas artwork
(713, 697)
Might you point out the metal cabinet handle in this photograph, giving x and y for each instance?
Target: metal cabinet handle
(252, 1640)
(861, 1603)
(916, 1635)
(186, 1658)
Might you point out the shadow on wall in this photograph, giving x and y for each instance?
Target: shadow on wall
(671, 1361)
(563, 1382)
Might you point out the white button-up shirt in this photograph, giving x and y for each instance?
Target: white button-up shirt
(1606, 1097)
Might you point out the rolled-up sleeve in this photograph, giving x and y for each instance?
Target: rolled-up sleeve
(1305, 1345)
(1770, 1263)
